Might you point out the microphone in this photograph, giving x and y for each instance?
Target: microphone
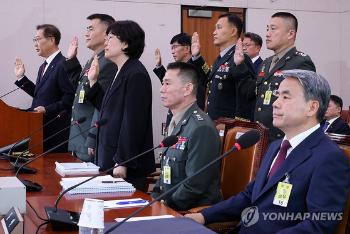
(16, 165)
(35, 186)
(245, 141)
(67, 220)
(13, 90)
(62, 113)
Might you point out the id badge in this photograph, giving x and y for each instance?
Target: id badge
(267, 98)
(282, 194)
(167, 174)
(81, 95)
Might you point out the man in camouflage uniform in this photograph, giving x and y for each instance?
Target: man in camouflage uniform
(198, 143)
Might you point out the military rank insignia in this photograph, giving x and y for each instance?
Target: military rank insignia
(205, 68)
(181, 143)
(300, 53)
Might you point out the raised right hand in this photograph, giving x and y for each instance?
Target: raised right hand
(158, 57)
(93, 71)
(19, 68)
(195, 45)
(73, 48)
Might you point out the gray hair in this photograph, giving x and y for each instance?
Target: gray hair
(315, 87)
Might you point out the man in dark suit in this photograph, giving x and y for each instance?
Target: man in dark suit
(333, 122)
(52, 91)
(181, 51)
(280, 37)
(84, 145)
(224, 98)
(303, 182)
(252, 44)
(192, 151)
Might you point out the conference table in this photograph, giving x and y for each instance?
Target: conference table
(47, 177)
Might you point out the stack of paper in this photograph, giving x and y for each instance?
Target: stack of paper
(68, 169)
(100, 184)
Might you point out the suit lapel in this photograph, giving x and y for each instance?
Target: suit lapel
(223, 59)
(298, 155)
(117, 82)
(281, 63)
(47, 73)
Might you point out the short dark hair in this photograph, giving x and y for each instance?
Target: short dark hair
(337, 101)
(181, 38)
(235, 21)
(131, 33)
(104, 18)
(50, 30)
(254, 37)
(187, 73)
(288, 16)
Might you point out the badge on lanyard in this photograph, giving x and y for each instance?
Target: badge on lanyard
(283, 192)
(81, 95)
(267, 98)
(167, 173)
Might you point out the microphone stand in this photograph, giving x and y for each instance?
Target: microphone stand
(246, 140)
(67, 220)
(34, 186)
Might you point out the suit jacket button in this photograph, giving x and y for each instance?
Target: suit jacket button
(265, 83)
(262, 95)
(259, 109)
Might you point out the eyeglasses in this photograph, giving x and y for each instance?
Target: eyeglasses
(174, 47)
(109, 37)
(37, 39)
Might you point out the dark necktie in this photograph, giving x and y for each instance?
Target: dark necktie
(325, 126)
(42, 69)
(281, 156)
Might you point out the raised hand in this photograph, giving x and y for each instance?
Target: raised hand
(93, 71)
(158, 57)
(73, 48)
(195, 45)
(238, 57)
(19, 68)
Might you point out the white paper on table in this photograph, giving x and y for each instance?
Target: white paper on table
(145, 218)
(124, 203)
(92, 215)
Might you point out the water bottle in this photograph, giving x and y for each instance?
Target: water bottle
(87, 230)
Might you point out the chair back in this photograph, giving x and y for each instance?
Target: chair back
(239, 168)
(343, 142)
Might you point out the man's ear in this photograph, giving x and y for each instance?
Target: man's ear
(314, 106)
(188, 89)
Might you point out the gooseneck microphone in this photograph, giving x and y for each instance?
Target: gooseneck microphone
(68, 220)
(36, 187)
(76, 122)
(13, 90)
(246, 140)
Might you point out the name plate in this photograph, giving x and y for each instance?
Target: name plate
(12, 223)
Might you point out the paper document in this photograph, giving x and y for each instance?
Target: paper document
(124, 203)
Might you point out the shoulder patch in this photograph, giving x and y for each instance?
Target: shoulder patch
(300, 53)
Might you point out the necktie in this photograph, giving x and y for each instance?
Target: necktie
(42, 69)
(325, 126)
(274, 62)
(281, 156)
(171, 126)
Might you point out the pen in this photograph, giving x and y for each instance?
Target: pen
(131, 202)
(110, 181)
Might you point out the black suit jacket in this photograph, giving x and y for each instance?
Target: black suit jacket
(127, 106)
(257, 64)
(55, 92)
(339, 126)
